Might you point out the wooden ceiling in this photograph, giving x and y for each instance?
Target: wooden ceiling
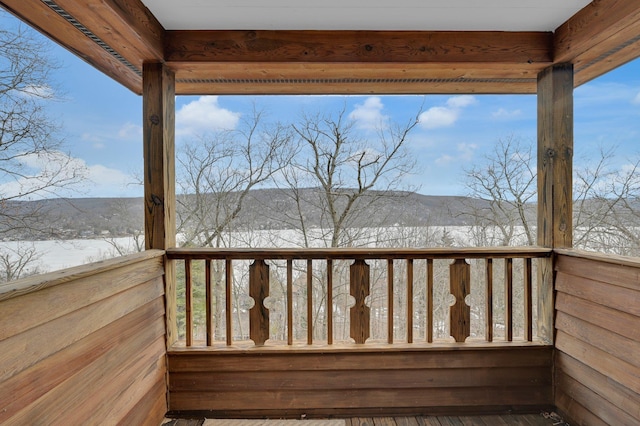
(118, 36)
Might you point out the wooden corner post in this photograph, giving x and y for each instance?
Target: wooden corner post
(555, 181)
(159, 174)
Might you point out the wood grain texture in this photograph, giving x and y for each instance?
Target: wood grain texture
(555, 165)
(460, 288)
(158, 105)
(36, 283)
(78, 293)
(353, 382)
(594, 27)
(96, 353)
(23, 389)
(259, 291)
(357, 46)
(598, 370)
(359, 314)
(360, 253)
(128, 25)
(40, 16)
(615, 393)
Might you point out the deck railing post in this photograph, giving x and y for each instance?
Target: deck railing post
(360, 313)
(460, 312)
(259, 291)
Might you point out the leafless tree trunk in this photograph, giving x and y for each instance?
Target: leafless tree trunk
(500, 190)
(32, 163)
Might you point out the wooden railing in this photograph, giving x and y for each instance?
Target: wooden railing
(484, 301)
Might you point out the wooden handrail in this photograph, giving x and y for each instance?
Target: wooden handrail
(359, 253)
(358, 285)
(34, 283)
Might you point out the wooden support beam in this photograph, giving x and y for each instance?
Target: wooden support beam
(555, 168)
(600, 37)
(358, 46)
(127, 25)
(50, 23)
(159, 174)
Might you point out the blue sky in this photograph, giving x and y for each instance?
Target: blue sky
(102, 123)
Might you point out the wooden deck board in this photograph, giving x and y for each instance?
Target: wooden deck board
(542, 419)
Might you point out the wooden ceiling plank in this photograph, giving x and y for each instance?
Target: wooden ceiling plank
(592, 28)
(359, 46)
(44, 19)
(127, 26)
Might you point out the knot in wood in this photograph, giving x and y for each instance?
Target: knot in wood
(368, 47)
(550, 153)
(155, 200)
(155, 119)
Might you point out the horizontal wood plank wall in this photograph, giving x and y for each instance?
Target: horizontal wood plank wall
(597, 378)
(292, 383)
(85, 345)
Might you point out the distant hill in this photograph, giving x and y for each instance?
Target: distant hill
(262, 209)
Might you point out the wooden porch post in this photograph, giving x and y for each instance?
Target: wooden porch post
(555, 181)
(159, 174)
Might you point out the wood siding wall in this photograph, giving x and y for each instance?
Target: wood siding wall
(85, 345)
(597, 379)
(314, 382)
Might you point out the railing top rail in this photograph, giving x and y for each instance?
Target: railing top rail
(358, 253)
(34, 283)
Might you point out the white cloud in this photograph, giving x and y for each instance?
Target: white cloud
(369, 115)
(436, 117)
(503, 114)
(96, 141)
(130, 130)
(81, 179)
(464, 153)
(445, 116)
(636, 100)
(107, 182)
(461, 101)
(42, 91)
(204, 115)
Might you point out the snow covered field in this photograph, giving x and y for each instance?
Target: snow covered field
(60, 254)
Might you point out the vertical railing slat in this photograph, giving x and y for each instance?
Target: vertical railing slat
(429, 324)
(360, 315)
(409, 300)
(289, 302)
(528, 303)
(207, 301)
(489, 300)
(508, 298)
(309, 302)
(259, 291)
(228, 287)
(188, 302)
(329, 302)
(460, 312)
(390, 301)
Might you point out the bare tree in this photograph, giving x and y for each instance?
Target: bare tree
(32, 162)
(218, 172)
(500, 190)
(18, 262)
(347, 173)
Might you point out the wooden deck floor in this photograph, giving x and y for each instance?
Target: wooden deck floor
(543, 419)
